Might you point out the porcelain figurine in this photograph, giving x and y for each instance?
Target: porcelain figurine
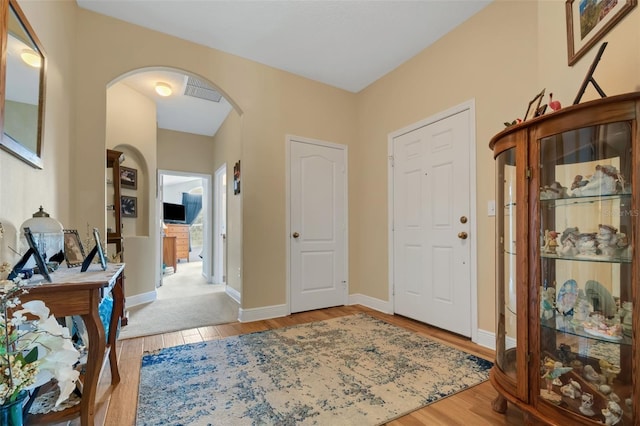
(553, 192)
(587, 403)
(603, 182)
(569, 391)
(551, 242)
(607, 239)
(587, 244)
(626, 318)
(612, 414)
(582, 308)
(591, 374)
(609, 370)
(568, 242)
(547, 302)
(553, 370)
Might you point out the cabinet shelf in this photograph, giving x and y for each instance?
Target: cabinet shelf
(563, 202)
(588, 258)
(576, 329)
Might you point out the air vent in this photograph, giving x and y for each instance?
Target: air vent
(199, 89)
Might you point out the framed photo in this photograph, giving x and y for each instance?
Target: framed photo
(236, 178)
(588, 21)
(534, 106)
(97, 250)
(73, 250)
(129, 206)
(33, 251)
(128, 178)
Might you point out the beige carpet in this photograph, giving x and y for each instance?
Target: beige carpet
(184, 301)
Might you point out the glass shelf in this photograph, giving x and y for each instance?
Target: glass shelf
(561, 202)
(588, 258)
(567, 325)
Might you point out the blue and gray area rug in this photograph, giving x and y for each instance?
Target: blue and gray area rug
(353, 370)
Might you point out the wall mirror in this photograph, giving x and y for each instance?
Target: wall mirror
(22, 80)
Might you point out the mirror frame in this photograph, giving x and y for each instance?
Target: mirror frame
(6, 142)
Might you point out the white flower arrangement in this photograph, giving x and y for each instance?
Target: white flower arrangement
(32, 351)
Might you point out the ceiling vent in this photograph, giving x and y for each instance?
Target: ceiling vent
(199, 89)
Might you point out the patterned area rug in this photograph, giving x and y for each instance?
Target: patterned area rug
(353, 370)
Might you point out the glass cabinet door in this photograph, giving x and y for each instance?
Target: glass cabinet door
(585, 278)
(506, 260)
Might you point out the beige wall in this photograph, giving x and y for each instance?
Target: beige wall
(501, 58)
(131, 129)
(228, 150)
(184, 152)
(22, 188)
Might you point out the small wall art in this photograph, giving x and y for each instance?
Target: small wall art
(534, 106)
(589, 21)
(129, 206)
(236, 178)
(128, 178)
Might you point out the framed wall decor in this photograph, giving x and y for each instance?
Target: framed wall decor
(589, 21)
(128, 178)
(236, 178)
(73, 250)
(129, 206)
(534, 106)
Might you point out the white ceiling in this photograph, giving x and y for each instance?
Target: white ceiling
(347, 44)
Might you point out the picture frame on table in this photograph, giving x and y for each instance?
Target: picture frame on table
(534, 107)
(97, 250)
(73, 249)
(589, 21)
(128, 178)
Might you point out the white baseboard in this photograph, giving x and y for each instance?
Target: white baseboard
(486, 339)
(263, 313)
(140, 299)
(371, 302)
(234, 294)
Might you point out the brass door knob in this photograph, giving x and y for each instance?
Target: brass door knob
(295, 235)
(462, 235)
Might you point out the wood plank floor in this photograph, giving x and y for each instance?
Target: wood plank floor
(471, 407)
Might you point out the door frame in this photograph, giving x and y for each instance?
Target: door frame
(473, 208)
(344, 149)
(206, 202)
(218, 270)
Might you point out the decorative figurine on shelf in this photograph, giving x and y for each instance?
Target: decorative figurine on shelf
(552, 371)
(568, 242)
(582, 309)
(553, 192)
(604, 181)
(587, 244)
(607, 239)
(567, 296)
(625, 318)
(551, 242)
(609, 370)
(587, 403)
(547, 302)
(578, 182)
(512, 123)
(612, 414)
(571, 391)
(564, 354)
(554, 105)
(591, 374)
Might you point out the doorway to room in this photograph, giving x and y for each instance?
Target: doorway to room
(185, 227)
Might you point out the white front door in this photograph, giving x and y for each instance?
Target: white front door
(431, 223)
(317, 224)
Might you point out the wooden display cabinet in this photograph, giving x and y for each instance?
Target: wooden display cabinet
(567, 265)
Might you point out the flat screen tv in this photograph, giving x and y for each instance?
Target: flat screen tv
(174, 213)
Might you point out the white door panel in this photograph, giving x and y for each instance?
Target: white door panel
(430, 195)
(318, 226)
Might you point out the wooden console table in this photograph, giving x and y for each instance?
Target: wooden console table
(79, 293)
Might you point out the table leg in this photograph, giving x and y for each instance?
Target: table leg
(97, 346)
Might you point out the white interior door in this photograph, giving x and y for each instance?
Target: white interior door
(431, 224)
(318, 224)
(220, 226)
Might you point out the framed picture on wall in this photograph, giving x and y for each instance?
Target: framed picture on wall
(589, 21)
(128, 178)
(236, 178)
(129, 206)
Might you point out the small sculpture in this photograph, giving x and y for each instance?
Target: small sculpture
(564, 354)
(553, 370)
(604, 181)
(609, 370)
(547, 302)
(567, 297)
(587, 403)
(551, 243)
(607, 240)
(591, 374)
(587, 244)
(553, 192)
(612, 414)
(554, 105)
(582, 308)
(568, 241)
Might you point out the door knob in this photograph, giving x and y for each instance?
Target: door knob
(463, 219)
(296, 235)
(462, 235)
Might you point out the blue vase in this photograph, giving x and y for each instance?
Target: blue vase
(11, 412)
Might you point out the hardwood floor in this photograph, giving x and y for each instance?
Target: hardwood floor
(471, 407)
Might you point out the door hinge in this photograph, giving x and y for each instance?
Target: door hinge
(528, 173)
